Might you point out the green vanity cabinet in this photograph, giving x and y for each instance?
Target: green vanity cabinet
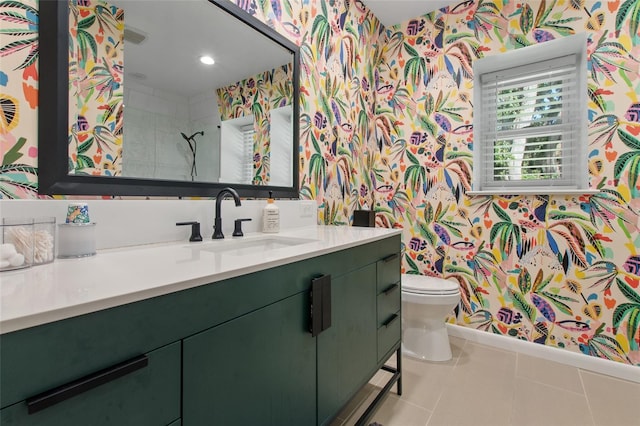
(258, 369)
(147, 396)
(234, 352)
(347, 351)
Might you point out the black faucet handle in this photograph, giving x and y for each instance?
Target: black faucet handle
(195, 230)
(237, 229)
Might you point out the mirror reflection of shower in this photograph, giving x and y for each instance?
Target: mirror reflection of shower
(193, 146)
(153, 147)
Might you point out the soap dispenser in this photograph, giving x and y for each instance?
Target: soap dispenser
(270, 216)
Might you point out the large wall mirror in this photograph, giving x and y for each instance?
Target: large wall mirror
(165, 98)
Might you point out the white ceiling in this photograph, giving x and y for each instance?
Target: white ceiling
(392, 12)
(179, 32)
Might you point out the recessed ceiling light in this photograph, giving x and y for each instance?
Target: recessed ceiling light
(207, 60)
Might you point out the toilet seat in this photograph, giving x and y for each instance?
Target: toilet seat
(422, 284)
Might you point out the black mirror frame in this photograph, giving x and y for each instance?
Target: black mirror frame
(53, 132)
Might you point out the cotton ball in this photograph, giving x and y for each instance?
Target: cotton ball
(23, 240)
(4, 264)
(16, 260)
(7, 251)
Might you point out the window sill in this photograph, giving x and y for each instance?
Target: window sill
(535, 191)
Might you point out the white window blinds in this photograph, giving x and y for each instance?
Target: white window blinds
(530, 122)
(248, 139)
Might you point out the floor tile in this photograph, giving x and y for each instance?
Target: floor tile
(481, 389)
(480, 404)
(483, 385)
(613, 402)
(479, 361)
(550, 373)
(537, 404)
(423, 381)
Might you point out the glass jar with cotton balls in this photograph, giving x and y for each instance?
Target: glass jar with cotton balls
(26, 242)
(16, 246)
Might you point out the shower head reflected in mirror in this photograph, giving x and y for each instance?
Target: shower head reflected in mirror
(188, 138)
(193, 147)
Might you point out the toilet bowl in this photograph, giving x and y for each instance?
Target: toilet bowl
(426, 301)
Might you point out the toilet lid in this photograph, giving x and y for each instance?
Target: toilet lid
(428, 285)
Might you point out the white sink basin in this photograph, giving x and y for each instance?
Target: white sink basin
(249, 246)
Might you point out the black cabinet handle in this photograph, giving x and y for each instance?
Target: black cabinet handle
(390, 258)
(320, 301)
(69, 390)
(391, 319)
(387, 291)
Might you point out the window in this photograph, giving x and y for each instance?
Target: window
(281, 157)
(237, 139)
(248, 139)
(530, 119)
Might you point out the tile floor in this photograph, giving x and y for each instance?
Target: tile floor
(482, 385)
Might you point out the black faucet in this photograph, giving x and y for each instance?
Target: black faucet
(217, 230)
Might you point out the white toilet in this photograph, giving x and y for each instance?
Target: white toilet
(426, 302)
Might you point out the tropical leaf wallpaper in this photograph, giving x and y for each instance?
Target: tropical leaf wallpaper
(96, 90)
(341, 43)
(563, 271)
(257, 96)
(18, 99)
(386, 123)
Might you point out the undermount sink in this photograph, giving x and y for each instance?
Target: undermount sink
(249, 246)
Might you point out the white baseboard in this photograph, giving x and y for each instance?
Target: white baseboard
(585, 362)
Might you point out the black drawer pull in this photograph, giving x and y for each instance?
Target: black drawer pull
(69, 390)
(320, 304)
(390, 257)
(387, 291)
(391, 319)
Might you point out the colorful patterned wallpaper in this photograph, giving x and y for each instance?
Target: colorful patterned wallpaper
(257, 96)
(340, 43)
(95, 93)
(386, 123)
(18, 99)
(96, 90)
(563, 271)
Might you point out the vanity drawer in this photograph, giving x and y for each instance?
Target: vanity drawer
(388, 303)
(389, 334)
(388, 271)
(147, 394)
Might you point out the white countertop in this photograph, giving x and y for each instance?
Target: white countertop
(71, 287)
